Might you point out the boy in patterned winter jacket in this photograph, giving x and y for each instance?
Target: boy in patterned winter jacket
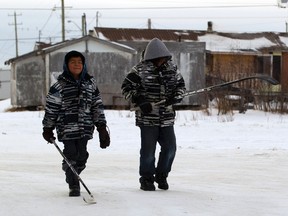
(74, 108)
(153, 79)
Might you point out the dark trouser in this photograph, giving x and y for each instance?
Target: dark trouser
(150, 135)
(76, 153)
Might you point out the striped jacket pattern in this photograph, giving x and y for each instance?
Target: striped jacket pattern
(154, 84)
(73, 108)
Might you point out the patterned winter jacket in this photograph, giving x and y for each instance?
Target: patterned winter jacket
(73, 108)
(155, 84)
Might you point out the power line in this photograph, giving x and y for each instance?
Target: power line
(32, 38)
(176, 7)
(203, 17)
(150, 8)
(47, 20)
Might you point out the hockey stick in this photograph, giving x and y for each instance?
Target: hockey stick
(268, 79)
(90, 200)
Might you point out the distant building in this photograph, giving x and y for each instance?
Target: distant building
(228, 55)
(4, 84)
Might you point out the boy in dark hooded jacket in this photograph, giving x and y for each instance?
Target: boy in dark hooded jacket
(74, 107)
(153, 79)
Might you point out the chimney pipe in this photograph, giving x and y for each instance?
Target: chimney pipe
(210, 26)
(149, 23)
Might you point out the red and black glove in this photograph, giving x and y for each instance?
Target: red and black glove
(104, 137)
(48, 134)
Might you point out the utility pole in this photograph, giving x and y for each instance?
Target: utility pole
(16, 34)
(97, 18)
(283, 4)
(84, 25)
(63, 20)
(39, 35)
(149, 23)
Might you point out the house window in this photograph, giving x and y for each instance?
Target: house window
(264, 64)
(276, 67)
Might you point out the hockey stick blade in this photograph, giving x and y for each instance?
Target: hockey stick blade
(89, 200)
(268, 79)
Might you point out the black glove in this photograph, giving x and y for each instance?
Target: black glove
(104, 137)
(48, 134)
(172, 100)
(144, 106)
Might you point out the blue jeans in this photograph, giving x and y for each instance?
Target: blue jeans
(150, 135)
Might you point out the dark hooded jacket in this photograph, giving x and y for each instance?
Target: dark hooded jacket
(154, 84)
(73, 107)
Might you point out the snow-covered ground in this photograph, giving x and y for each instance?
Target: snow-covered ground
(234, 165)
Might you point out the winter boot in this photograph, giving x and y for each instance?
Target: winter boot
(147, 184)
(73, 182)
(74, 191)
(161, 179)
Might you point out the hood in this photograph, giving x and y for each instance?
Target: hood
(156, 49)
(69, 55)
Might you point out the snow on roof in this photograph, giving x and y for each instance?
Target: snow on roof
(284, 39)
(224, 44)
(100, 35)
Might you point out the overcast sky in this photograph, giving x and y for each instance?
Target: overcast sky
(41, 20)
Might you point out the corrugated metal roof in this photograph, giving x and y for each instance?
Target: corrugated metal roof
(129, 34)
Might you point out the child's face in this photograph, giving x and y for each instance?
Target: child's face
(75, 66)
(159, 61)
